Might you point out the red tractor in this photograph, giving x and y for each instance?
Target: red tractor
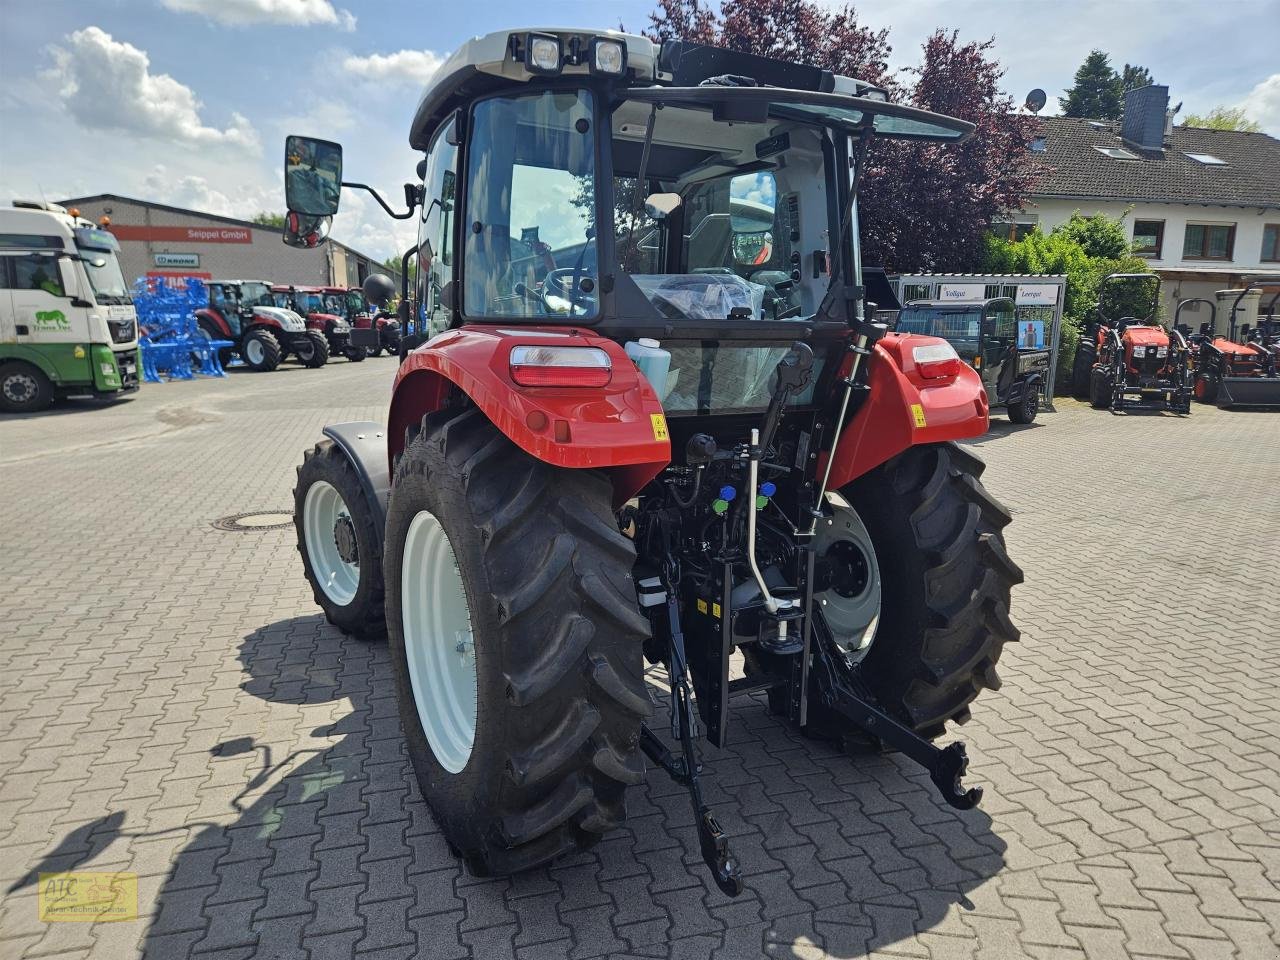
(244, 312)
(1129, 362)
(366, 316)
(322, 312)
(1240, 368)
(620, 434)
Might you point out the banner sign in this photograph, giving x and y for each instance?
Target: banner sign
(1031, 294)
(184, 234)
(177, 259)
(962, 292)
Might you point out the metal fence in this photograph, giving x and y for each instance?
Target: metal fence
(1036, 297)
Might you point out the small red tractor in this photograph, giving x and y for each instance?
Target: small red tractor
(244, 312)
(323, 312)
(621, 431)
(1128, 362)
(364, 315)
(1240, 368)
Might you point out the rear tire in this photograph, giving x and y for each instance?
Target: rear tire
(1086, 355)
(24, 388)
(372, 351)
(1100, 389)
(261, 350)
(1025, 410)
(355, 354)
(555, 634)
(312, 352)
(341, 560)
(1206, 388)
(945, 586)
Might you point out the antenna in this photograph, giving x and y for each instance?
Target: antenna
(1036, 100)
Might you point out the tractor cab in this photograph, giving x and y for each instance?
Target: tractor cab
(643, 409)
(1010, 357)
(237, 301)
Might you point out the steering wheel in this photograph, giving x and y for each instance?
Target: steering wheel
(559, 295)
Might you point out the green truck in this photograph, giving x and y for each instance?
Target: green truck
(67, 322)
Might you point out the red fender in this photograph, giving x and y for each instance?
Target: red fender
(903, 409)
(215, 318)
(619, 427)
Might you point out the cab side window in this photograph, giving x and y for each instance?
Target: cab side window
(35, 272)
(435, 233)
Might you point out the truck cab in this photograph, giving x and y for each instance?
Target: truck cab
(67, 321)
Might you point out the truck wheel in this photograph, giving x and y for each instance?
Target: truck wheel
(338, 542)
(516, 644)
(355, 354)
(1086, 355)
(1026, 408)
(313, 351)
(930, 579)
(261, 350)
(23, 388)
(1206, 388)
(1099, 389)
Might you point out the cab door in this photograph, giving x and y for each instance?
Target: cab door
(46, 315)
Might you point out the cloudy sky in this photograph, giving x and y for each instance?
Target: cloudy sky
(187, 101)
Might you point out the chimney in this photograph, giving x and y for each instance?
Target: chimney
(1145, 120)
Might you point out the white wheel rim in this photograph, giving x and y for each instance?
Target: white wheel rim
(852, 616)
(253, 351)
(438, 641)
(322, 508)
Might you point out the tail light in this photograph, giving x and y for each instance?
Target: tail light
(547, 366)
(937, 361)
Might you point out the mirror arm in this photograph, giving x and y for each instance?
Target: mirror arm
(382, 203)
(404, 271)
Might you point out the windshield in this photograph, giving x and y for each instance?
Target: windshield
(256, 295)
(530, 249)
(355, 303)
(107, 280)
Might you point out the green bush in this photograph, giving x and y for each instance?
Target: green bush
(1084, 250)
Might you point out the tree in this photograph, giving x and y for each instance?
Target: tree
(921, 207)
(1134, 76)
(1222, 118)
(269, 219)
(1098, 91)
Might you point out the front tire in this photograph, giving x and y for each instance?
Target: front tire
(547, 612)
(1081, 367)
(339, 543)
(355, 354)
(1100, 389)
(24, 388)
(261, 351)
(313, 351)
(944, 583)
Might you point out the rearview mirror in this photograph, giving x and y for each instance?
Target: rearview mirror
(312, 175)
(304, 231)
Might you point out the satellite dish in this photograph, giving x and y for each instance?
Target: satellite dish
(1036, 100)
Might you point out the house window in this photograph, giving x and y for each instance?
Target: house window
(1209, 241)
(1271, 243)
(1148, 238)
(1013, 231)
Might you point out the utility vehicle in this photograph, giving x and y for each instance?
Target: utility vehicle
(1129, 362)
(617, 440)
(1011, 360)
(244, 312)
(1240, 367)
(323, 311)
(67, 321)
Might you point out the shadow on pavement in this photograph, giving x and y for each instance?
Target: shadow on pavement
(328, 847)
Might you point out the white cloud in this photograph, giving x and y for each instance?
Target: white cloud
(108, 85)
(238, 13)
(411, 67)
(1263, 104)
(196, 193)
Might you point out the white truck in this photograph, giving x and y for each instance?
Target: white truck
(67, 322)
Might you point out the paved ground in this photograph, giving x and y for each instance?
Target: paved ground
(171, 704)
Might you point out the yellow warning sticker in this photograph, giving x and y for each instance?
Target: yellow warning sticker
(715, 610)
(917, 411)
(659, 426)
(702, 605)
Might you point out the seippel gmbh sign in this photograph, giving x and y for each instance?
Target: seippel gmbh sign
(183, 234)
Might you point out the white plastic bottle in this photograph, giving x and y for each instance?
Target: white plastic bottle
(653, 361)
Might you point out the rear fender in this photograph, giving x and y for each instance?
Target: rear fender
(619, 428)
(365, 445)
(214, 322)
(902, 410)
